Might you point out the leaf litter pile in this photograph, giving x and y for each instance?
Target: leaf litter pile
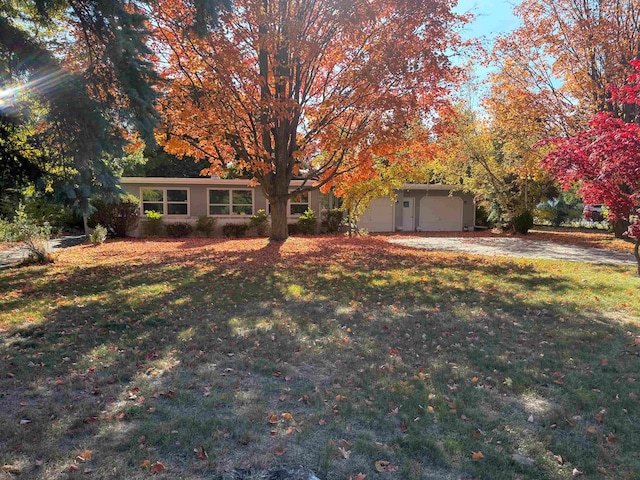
(354, 357)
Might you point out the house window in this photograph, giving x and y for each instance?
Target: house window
(230, 202)
(299, 203)
(296, 205)
(168, 201)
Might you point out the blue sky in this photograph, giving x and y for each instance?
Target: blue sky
(492, 18)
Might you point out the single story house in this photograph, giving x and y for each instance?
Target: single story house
(417, 207)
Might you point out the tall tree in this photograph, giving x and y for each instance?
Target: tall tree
(85, 65)
(604, 159)
(293, 88)
(567, 52)
(481, 157)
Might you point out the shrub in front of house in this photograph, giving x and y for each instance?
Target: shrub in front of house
(206, 225)
(260, 221)
(118, 217)
(332, 221)
(522, 222)
(34, 237)
(235, 230)
(153, 226)
(178, 230)
(99, 235)
(293, 229)
(308, 223)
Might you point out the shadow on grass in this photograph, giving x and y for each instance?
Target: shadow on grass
(354, 339)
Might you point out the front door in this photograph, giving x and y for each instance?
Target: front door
(408, 215)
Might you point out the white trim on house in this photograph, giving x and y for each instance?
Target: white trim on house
(426, 186)
(241, 182)
(166, 202)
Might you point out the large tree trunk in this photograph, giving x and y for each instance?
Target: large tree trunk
(619, 228)
(637, 254)
(279, 228)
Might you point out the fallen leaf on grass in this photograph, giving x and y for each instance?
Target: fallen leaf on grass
(201, 453)
(11, 469)
(592, 429)
(287, 417)
(344, 453)
(84, 456)
(576, 472)
(74, 468)
(360, 476)
(344, 444)
(477, 455)
(273, 418)
(384, 466)
(280, 451)
(157, 467)
(145, 463)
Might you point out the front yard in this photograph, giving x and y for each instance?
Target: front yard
(350, 356)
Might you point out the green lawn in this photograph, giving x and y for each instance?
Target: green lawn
(334, 353)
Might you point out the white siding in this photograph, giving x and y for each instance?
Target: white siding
(440, 214)
(378, 217)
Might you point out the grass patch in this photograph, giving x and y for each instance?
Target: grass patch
(334, 353)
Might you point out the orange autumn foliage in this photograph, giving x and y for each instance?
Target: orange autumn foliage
(305, 89)
(564, 55)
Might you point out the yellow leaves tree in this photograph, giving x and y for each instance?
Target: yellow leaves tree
(494, 163)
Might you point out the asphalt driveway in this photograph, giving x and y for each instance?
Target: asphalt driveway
(517, 247)
(17, 254)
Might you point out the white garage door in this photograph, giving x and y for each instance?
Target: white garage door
(378, 217)
(441, 214)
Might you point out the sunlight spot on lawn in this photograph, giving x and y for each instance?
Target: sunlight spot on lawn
(243, 326)
(534, 404)
(345, 310)
(186, 335)
(296, 291)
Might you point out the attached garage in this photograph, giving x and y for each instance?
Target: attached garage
(441, 214)
(422, 208)
(378, 217)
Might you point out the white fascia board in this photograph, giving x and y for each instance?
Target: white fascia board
(427, 186)
(193, 181)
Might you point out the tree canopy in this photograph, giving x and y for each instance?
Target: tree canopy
(565, 54)
(76, 86)
(604, 159)
(301, 88)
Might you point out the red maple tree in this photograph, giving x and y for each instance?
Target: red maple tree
(605, 159)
